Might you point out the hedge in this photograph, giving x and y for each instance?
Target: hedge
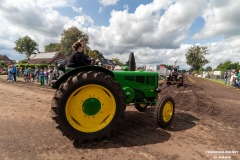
(32, 66)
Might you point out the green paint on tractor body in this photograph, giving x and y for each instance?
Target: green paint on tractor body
(138, 86)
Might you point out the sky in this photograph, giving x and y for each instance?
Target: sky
(157, 31)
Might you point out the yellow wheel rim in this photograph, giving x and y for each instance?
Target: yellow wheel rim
(90, 108)
(167, 111)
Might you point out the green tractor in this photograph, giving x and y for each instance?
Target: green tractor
(90, 101)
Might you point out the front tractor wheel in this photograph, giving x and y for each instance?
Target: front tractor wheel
(165, 111)
(88, 106)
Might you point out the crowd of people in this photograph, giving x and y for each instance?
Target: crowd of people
(232, 78)
(45, 76)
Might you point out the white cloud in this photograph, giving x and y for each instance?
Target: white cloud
(53, 3)
(221, 18)
(78, 9)
(148, 32)
(44, 25)
(108, 2)
(160, 24)
(227, 49)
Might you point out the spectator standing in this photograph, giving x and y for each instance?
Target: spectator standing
(14, 72)
(36, 72)
(22, 70)
(238, 77)
(9, 77)
(27, 73)
(41, 75)
(45, 71)
(225, 77)
(18, 73)
(50, 69)
(55, 73)
(233, 78)
(50, 77)
(33, 76)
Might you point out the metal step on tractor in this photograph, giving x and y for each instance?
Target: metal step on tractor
(90, 101)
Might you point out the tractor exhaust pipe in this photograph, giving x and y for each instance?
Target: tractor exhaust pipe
(132, 64)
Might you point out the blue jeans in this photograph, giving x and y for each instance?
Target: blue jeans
(46, 79)
(239, 83)
(225, 80)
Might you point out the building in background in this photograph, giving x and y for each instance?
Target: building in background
(46, 58)
(6, 60)
(162, 70)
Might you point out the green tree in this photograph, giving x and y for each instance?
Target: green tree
(235, 66)
(228, 65)
(117, 61)
(224, 66)
(209, 68)
(94, 54)
(25, 45)
(69, 36)
(52, 47)
(196, 57)
(3, 64)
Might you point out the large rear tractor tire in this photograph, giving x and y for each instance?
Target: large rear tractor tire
(165, 111)
(88, 106)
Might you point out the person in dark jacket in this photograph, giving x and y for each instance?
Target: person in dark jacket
(14, 72)
(78, 58)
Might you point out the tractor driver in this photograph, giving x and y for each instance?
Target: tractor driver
(174, 69)
(78, 58)
(175, 72)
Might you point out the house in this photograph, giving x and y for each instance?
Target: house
(46, 57)
(163, 71)
(6, 60)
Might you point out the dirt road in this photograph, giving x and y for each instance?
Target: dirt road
(205, 125)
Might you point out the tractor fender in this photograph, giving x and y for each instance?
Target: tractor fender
(77, 70)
